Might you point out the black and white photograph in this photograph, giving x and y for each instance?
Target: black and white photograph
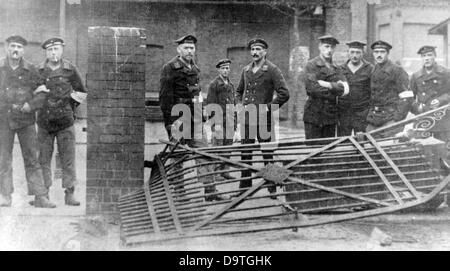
(224, 125)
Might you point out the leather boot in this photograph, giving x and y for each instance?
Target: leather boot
(5, 201)
(31, 202)
(69, 198)
(43, 202)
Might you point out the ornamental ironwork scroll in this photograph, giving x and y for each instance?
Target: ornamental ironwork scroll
(423, 127)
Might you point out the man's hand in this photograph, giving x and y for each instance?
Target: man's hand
(324, 84)
(26, 108)
(434, 103)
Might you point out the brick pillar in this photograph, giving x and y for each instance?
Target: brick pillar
(115, 110)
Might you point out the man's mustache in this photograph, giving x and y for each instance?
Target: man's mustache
(255, 55)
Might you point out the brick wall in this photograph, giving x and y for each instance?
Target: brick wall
(115, 138)
(217, 27)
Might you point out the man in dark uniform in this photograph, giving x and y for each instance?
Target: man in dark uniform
(353, 108)
(390, 94)
(324, 83)
(221, 93)
(56, 118)
(22, 92)
(179, 85)
(259, 80)
(431, 87)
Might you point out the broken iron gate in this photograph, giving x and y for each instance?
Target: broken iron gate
(318, 181)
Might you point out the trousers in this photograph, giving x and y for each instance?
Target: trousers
(28, 144)
(65, 141)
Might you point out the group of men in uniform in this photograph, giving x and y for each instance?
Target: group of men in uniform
(354, 97)
(378, 95)
(46, 95)
(260, 80)
(342, 100)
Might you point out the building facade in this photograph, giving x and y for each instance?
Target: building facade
(222, 27)
(406, 24)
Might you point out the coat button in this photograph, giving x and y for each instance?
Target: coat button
(48, 79)
(423, 83)
(423, 93)
(20, 77)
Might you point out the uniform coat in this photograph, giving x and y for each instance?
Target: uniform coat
(56, 119)
(353, 107)
(58, 110)
(430, 86)
(258, 89)
(17, 88)
(387, 82)
(222, 93)
(320, 112)
(178, 85)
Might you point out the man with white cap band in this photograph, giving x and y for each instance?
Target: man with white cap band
(56, 118)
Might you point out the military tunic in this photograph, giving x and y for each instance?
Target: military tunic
(387, 82)
(179, 84)
(430, 86)
(17, 87)
(222, 93)
(320, 112)
(56, 118)
(258, 89)
(353, 107)
(58, 110)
